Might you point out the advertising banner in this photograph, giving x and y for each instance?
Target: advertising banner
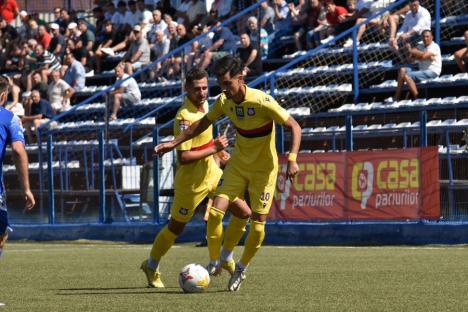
(378, 185)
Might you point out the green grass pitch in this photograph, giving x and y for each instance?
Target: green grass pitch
(91, 276)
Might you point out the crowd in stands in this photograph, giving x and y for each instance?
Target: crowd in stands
(53, 59)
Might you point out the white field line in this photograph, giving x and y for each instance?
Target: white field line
(79, 248)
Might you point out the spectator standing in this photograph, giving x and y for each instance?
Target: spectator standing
(75, 73)
(461, 56)
(43, 37)
(59, 93)
(429, 60)
(128, 93)
(283, 24)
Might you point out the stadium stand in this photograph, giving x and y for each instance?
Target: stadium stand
(322, 87)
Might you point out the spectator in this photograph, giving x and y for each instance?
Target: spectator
(336, 16)
(132, 14)
(57, 15)
(59, 93)
(35, 82)
(312, 21)
(85, 43)
(65, 20)
(75, 73)
(267, 17)
(176, 61)
(46, 62)
(99, 25)
(224, 43)
(145, 17)
(158, 25)
(38, 112)
(121, 17)
(128, 93)
(9, 10)
(139, 52)
(8, 39)
(15, 106)
(252, 25)
(58, 42)
(109, 11)
(196, 10)
(362, 12)
(43, 37)
(24, 24)
(461, 56)
(416, 21)
(283, 24)
(391, 21)
(429, 60)
(221, 8)
(159, 48)
(250, 56)
(108, 38)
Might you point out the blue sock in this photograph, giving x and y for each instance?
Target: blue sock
(152, 264)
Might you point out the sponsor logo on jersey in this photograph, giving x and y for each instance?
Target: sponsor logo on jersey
(239, 112)
(183, 211)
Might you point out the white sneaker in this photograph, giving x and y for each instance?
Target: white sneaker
(349, 43)
(108, 51)
(236, 279)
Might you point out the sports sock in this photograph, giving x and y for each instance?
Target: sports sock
(152, 264)
(253, 242)
(161, 245)
(234, 232)
(214, 233)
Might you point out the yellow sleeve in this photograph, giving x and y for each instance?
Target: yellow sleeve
(216, 111)
(180, 124)
(275, 111)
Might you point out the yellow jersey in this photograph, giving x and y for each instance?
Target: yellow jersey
(194, 177)
(254, 120)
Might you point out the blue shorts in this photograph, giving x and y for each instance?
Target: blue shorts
(420, 75)
(3, 222)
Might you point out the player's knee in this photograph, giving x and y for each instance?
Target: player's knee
(176, 227)
(257, 229)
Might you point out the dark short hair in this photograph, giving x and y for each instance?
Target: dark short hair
(426, 31)
(195, 74)
(228, 64)
(4, 84)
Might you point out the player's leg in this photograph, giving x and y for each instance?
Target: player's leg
(261, 192)
(240, 214)
(230, 187)
(3, 230)
(180, 215)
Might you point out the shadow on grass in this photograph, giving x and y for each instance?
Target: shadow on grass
(130, 291)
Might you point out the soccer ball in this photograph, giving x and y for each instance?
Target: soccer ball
(194, 278)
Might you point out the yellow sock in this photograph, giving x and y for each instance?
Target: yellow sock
(162, 243)
(253, 242)
(234, 232)
(214, 233)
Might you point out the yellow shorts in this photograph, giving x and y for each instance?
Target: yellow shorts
(259, 183)
(185, 202)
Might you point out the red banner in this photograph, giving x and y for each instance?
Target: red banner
(377, 185)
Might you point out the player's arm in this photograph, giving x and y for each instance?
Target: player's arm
(195, 129)
(21, 163)
(187, 157)
(296, 130)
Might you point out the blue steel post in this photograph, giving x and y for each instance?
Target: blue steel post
(451, 195)
(41, 172)
(437, 21)
(102, 178)
(423, 128)
(355, 68)
(50, 172)
(279, 129)
(349, 133)
(156, 178)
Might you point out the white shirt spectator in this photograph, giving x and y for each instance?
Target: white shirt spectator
(435, 63)
(161, 26)
(119, 19)
(132, 19)
(419, 22)
(56, 91)
(131, 87)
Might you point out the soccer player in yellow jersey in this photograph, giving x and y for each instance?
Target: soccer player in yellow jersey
(253, 166)
(197, 173)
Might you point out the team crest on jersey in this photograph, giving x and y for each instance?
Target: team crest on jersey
(183, 211)
(183, 125)
(220, 182)
(250, 111)
(239, 112)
